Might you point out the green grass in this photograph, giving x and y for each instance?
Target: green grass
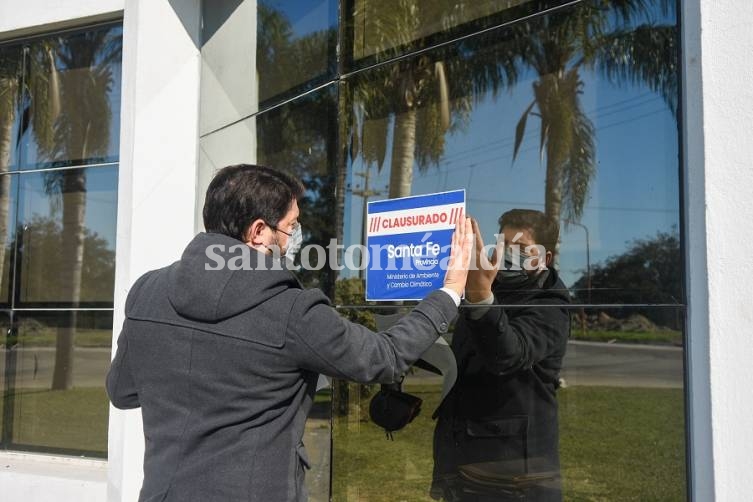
(74, 419)
(622, 443)
(616, 444)
(668, 337)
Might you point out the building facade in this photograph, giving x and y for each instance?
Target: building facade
(625, 120)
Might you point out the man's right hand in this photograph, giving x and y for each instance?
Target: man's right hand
(461, 251)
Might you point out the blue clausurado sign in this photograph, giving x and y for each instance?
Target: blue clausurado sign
(409, 241)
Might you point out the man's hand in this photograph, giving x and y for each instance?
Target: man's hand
(461, 250)
(480, 279)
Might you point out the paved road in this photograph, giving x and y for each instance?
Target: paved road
(610, 364)
(586, 363)
(34, 366)
(623, 365)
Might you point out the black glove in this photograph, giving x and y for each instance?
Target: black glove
(392, 409)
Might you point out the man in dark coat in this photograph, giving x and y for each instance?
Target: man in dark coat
(222, 349)
(496, 437)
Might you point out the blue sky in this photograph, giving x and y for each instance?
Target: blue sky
(306, 16)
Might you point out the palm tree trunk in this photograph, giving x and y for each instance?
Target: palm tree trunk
(7, 118)
(72, 249)
(553, 192)
(403, 151)
(553, 196)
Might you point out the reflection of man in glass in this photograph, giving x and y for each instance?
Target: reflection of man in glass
(497, 433)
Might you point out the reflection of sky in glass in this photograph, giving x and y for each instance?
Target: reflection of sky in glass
(101, 201)
(633, 195)
(306, 17)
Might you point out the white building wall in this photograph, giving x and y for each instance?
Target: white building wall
(21, 17)
(33, 477)
(718, 107)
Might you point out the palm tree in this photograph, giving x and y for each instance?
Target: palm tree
(601, 36)
(427, 95)
(422, 92)
(15, 84)
(70, 80)
(10, 94)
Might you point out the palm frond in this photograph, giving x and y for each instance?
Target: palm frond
(374, 141)
(430, 135)
(520, 130)
(581, 163)
(645, 55)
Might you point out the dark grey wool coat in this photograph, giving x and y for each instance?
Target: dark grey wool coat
(502, 412)
(224, 366)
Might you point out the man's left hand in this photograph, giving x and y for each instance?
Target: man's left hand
(481, 277)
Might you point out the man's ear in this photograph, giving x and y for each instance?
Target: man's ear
(549, 259)
(254, 233)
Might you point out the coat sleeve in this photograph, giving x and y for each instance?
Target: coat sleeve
(120, 383)
(324, 342)
(508, 343)
(121, 386)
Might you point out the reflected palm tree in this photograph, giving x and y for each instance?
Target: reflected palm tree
(15, 85)
(286, 62)
(70, 81)
(10, 95)
(423, 91)
(296, 136)
(597, 37)
(428, 95)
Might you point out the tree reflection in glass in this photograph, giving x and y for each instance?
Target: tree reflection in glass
(69, 105)
(10, 96)
(527, 81)
(425, 97)
(289, 56)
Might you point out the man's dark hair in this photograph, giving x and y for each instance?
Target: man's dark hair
(240, 194)
(544, 230)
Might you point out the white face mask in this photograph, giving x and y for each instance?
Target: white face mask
(295, 239)
(294, 243)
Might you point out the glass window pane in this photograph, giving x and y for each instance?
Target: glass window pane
(623, 400)
(295, 43)
(298, 137)
(572, 114)
(58, 397)
(619, 401)
(257, 53)
(522, 119)
(5, 347)
(8, 197)
(66, 237)
(385, 29)
(11, 81)
(73, 99)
